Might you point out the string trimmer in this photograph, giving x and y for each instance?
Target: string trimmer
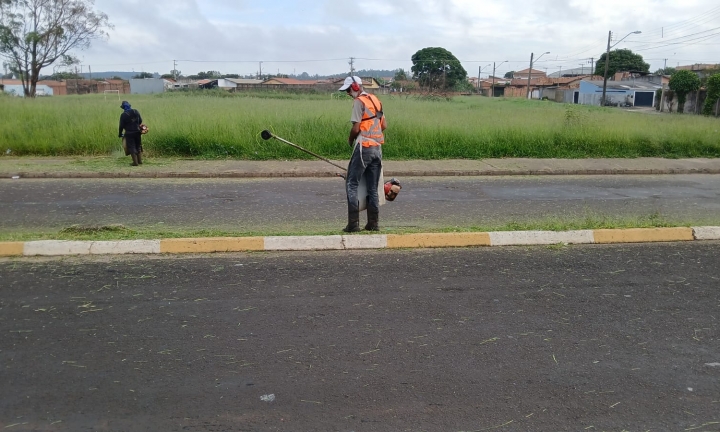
(391, 188)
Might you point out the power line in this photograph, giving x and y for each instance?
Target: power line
(681, 43)
(704, 17)
(672, 39)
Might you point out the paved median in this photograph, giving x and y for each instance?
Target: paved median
(351, 242)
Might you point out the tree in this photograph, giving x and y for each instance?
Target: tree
(665, 71)
(682, 83)
(509, 75)
(143, 75)
(57, 76)
(621, 60)
(400, 75)
(713, 93)
(208, 75)
(437, 68)
(36, 33)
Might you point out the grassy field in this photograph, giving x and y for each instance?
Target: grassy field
(217, 125)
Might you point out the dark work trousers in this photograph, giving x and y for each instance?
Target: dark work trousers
(133, 140)
(367, 160)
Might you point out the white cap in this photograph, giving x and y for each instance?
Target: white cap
(348, 82)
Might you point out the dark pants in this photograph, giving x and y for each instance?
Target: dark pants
(133, 142)
(368, 161)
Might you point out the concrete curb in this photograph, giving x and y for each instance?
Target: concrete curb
(350, 242)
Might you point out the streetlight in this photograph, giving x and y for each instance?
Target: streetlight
(492, 94)
(480, 68)
(607, 61)
(527, 96)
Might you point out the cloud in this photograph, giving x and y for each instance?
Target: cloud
(232, 36)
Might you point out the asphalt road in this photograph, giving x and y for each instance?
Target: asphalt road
(510, 339)
(309, 204)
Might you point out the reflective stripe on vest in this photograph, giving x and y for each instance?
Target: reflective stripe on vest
(371, 133)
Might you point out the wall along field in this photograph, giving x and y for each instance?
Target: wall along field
(215, 124)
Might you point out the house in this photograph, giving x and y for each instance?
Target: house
(207, 84)
(43, 88)
(487, 85)
(621, 93)
(288, 82)
(244, 82)
(702, 70)
(226, 84)
(519, 87)
(523, 74)
(368, 83)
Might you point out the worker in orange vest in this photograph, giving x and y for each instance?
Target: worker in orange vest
(366, 139)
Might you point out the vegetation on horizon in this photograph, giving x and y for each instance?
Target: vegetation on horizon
(218, 124)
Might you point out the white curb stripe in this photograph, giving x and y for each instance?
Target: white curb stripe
(125, 247)
(706, 233)
(304, 243)
(365, 241)
(65, 247)
(510, 238)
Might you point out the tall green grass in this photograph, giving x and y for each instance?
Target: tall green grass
(219, 125)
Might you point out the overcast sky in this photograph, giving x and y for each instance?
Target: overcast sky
(233, 36)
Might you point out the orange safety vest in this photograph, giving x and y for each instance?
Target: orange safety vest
(371, 133)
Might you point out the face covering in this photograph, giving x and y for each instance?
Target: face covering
(125, 106)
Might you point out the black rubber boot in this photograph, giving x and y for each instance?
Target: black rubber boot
(373, 221)
(139, 159)
(135, 159)
(353, 222)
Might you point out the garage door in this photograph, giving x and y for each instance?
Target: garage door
(644, 99)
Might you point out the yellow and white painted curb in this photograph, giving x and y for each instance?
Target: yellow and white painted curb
(347, 242)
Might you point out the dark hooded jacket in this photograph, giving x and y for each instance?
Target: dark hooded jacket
(130, 121)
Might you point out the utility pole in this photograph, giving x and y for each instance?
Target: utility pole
(175, 70)
(607, 63)
(527, 93)
(492, 88)
(352, 66)
(260, 76)
(478, 82)
(90, 71)
(592, 66)
(662, 98)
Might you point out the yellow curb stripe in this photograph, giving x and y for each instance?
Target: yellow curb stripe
(438, 240)
(217, 244)
(641, 235)
(11, 248)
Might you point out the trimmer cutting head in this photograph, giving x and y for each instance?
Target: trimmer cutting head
(266, 135)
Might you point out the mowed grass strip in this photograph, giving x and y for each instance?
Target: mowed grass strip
(214, 124)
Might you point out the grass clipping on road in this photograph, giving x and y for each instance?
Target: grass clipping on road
(120, 232)
(217, 124)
